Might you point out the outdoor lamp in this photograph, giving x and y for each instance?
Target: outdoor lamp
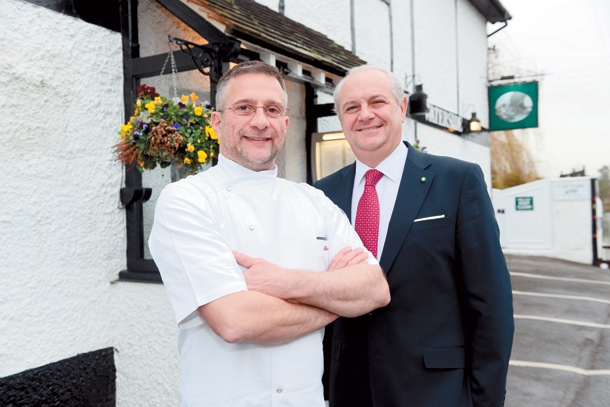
(418, 102)
(474, 124)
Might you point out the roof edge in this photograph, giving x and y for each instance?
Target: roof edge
(492, 10)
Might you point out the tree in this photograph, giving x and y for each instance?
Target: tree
(511, 161)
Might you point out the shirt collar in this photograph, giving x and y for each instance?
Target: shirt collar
(392, 167)
(233, 170)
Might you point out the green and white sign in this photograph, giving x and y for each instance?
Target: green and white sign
(513, 106)
(524, 203)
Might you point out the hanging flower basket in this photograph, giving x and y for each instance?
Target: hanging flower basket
(163, 131)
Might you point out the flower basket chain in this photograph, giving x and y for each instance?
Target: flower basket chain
(162, 131)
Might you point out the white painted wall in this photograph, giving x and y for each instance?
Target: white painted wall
(329, 18)
(62, 232)
(560, 224)
(292, 159)
(62, 229)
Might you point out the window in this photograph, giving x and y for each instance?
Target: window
(329, 153)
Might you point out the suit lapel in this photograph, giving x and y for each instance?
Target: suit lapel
(341, 193)
(414, 187)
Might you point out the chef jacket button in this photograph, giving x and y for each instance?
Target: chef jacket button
(228, 189)
(251, 227)
(279, 390)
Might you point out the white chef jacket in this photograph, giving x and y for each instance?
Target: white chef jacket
(198, 222)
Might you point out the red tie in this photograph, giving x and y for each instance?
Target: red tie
(367, 215)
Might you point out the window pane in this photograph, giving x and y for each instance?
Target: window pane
(157, 179)
(331, 152)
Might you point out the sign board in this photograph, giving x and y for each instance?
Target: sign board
(577, 190)
(444, 119)
(513, 106)
(524, 203)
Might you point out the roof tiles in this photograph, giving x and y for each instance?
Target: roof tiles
(249, 21)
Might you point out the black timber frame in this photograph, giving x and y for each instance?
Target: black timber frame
(314, 111)
(133, 195)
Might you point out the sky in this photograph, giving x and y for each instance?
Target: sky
(565, 45)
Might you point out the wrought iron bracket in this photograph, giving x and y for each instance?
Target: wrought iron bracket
(209, 57)
(131, 195)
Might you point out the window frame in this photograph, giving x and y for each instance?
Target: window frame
(135, 68)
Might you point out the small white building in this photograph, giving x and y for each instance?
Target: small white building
(552, 217)
(76, 274)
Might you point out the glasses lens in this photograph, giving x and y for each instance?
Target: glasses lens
(271, 111)
(243, 109)
(274, 111)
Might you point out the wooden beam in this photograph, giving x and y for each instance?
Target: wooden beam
(194, 20)
(150, 66)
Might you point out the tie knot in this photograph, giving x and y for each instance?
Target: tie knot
(372, 177)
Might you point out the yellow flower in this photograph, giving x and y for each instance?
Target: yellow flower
(150, 106)
(201, 156)
(190, 148)
(187, 160)
(126, 127)
(194, 98)
(184, 99)
(211, 133)
(158, 101)
(198, 110)
(138, 103)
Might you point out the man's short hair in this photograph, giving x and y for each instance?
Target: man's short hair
(395, 83)
(246, 68)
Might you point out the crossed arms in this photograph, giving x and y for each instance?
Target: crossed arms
(281, 304)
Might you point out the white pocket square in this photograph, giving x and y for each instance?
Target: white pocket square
(429, 218)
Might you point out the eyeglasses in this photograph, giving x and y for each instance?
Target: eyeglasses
(246, 109)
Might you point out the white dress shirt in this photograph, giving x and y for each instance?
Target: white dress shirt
(387, 189)
(198, 222)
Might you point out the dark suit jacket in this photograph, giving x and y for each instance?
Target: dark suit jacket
(445, 338)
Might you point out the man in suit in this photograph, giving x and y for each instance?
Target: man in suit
(445, 338)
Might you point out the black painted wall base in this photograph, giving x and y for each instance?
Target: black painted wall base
(85, 380)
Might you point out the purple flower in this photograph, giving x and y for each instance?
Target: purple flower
(186, 118)
(176, 125)
(207, 105)
(136, 135)
(181, 105)
(143, 126)
(165, 106)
